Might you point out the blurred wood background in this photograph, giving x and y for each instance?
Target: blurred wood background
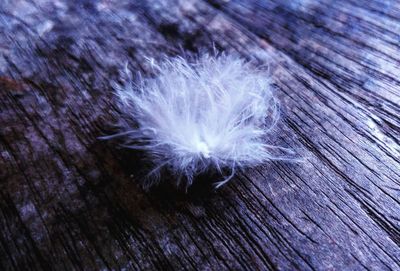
(71, 202)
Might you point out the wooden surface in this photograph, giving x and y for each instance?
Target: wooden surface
(71, 202)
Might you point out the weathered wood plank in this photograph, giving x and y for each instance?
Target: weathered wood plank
(69, 201)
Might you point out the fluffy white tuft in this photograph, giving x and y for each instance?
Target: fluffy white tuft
(207, 114)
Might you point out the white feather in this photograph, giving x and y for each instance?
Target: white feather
(208, 114)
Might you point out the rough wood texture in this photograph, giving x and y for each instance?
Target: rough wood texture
(71, 202)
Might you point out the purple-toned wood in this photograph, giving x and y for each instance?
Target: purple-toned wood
(69, 201)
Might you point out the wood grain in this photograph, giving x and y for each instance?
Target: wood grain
(69, 201)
